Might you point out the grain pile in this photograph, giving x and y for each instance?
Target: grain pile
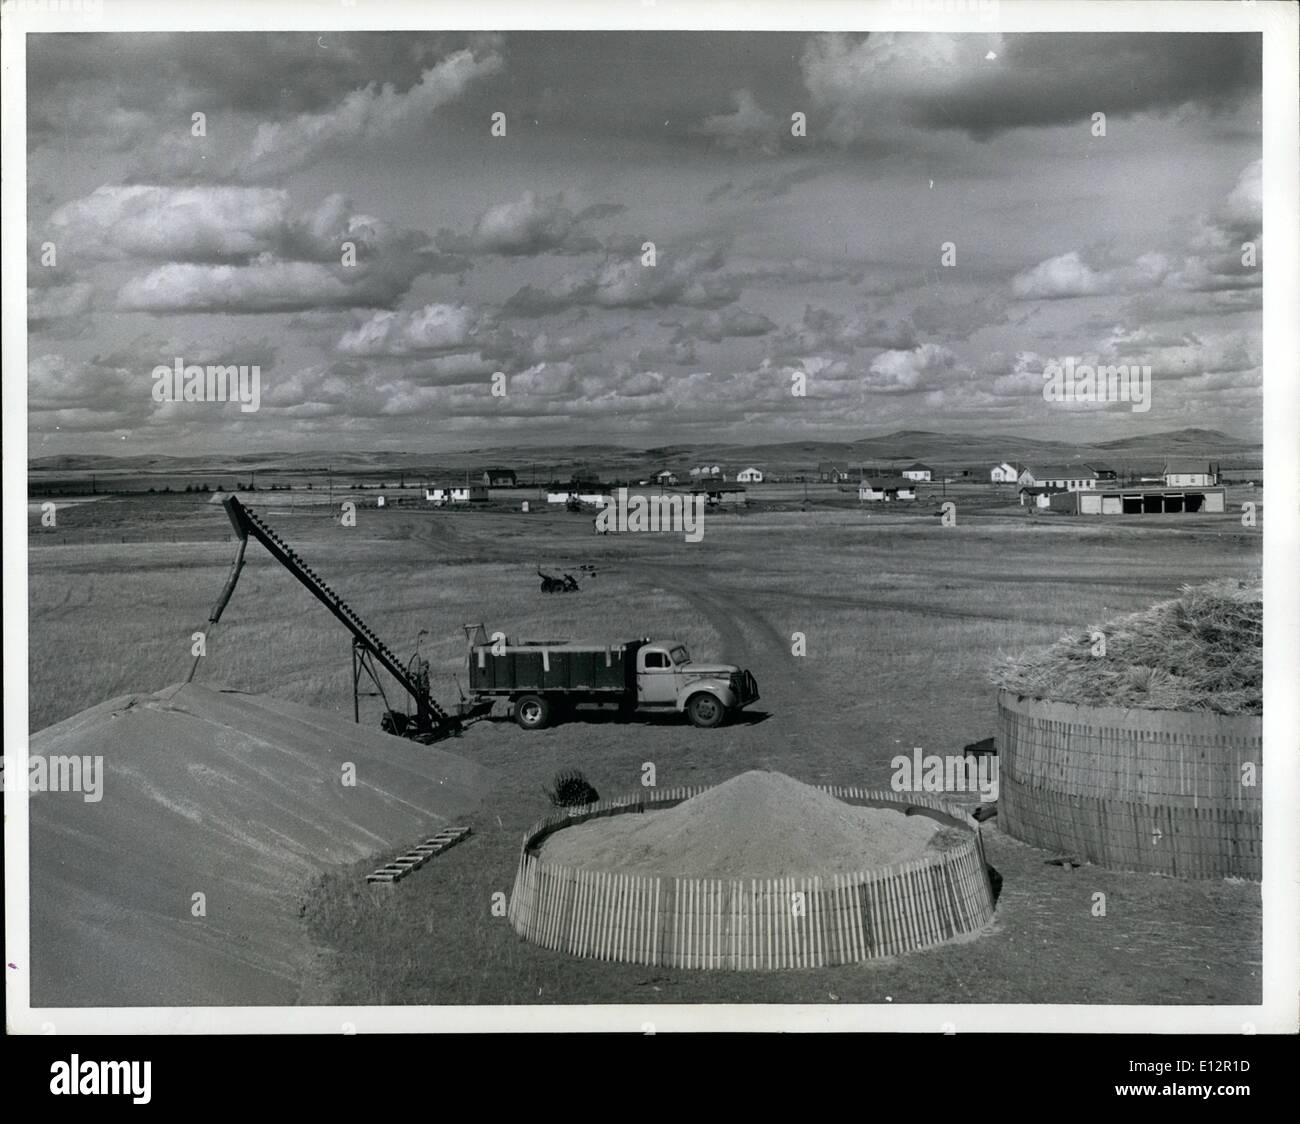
(237, 797)
(1200, 651)
(756, 825)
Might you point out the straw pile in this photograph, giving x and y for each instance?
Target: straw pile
(1200, 651)
(756, 825)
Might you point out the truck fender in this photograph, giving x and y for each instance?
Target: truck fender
(720, 689)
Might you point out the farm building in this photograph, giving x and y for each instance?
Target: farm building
(918, 471)
(1181, 472)
(1104, 473)
(1140, 501)
(499, 477)
(830, 472)
(886, 489)
(456, 493)
(667, 477)
(714, 494)
(749, 476)
(583, 494)
(708, 472)
(1062, 477)
(1037, 495)
(1008, 472)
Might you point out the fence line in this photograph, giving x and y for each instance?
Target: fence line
(751, 923)
(1159, 791)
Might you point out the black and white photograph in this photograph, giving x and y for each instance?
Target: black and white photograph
(667, 523)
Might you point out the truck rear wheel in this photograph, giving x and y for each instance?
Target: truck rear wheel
(532, 712)
(705, 711)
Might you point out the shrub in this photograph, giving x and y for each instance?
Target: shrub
(570, 789)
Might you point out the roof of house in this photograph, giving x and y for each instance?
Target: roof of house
(494, 471)
(879, 483)
(1019, 466)
(829, 466)
(1063, 472)
(917, 466)
(1187, 464)
(1042, 490)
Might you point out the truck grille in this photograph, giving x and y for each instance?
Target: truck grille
(745, 686)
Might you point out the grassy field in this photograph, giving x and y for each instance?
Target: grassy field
(902, 619)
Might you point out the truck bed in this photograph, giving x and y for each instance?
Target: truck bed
(606, 669)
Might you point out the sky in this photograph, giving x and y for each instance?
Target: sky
(905, 228)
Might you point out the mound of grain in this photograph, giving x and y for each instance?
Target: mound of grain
(1200, 651)
(756, 825)
(234, 796)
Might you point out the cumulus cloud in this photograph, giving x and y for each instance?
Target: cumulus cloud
(242, 249)
(926, 367)
(529, 226)
(366, 114)
(822, 332)
(749, 127)
(727, 323)
(694, 279)
(422, 331)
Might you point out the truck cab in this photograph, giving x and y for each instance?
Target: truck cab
(667, 678)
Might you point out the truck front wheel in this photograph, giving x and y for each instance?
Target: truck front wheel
(532, 712)
(705, 711)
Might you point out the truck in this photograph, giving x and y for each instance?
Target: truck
(546, 679)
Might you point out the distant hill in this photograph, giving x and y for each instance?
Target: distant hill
(946, 450)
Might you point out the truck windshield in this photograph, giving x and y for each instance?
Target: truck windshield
(679, 656)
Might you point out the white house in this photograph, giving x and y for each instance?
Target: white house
(749, 476)
(918, 471)
(456, 493)
(1062, 477)
(708, 472)
(667, 476)
(1008, 472)
(1181, 472)
(587, 498)
(886, 489)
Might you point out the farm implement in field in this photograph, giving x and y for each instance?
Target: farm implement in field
(369, 653)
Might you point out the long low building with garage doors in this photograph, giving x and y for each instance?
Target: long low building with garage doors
(1140, 501)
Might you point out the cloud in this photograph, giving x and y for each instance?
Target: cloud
(238, 249)
(529, 226)
(695, 279)
(1208, 257)
(366, 114)
(766, 188)
(927, 367)
(946, 82)
(48, 304)
(423, 331)
(172, 223)
(822, 332)
(750, 128)
(728, 323)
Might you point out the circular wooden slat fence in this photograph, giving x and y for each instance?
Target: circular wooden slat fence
(1166, 792)
(752, 923)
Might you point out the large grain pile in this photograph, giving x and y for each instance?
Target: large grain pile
(756, 825)
(1200, 651)
(239, 798)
